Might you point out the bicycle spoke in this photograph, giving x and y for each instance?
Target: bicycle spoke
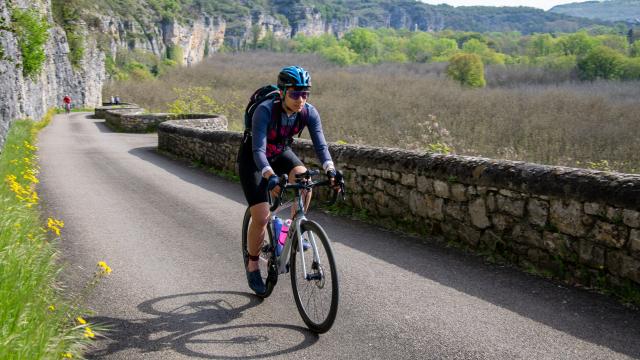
(317, 295)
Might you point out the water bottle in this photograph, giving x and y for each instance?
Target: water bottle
(283, 233)
(277, 226)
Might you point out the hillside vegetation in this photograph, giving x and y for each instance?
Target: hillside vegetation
(398, 14)
(610, 10)
(415, 106)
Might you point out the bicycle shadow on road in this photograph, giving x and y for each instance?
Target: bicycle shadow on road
(592, 317)
(200, 324)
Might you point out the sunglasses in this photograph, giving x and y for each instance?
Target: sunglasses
(295, 95)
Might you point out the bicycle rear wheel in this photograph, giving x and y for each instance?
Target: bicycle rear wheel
(268, 268)
(316, 295)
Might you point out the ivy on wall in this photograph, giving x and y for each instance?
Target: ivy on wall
(31, 31)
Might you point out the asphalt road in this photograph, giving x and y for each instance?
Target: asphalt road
(171, 233)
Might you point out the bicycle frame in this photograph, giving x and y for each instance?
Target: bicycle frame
(294, 230)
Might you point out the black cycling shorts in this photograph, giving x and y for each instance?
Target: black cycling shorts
(254, 185)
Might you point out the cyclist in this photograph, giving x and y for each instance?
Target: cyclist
(266, 154)
(67, 103)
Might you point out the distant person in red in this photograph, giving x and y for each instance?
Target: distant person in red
(67, 103)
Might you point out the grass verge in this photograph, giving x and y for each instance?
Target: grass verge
(37, 319)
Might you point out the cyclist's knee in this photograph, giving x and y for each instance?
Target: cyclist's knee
(296, 170)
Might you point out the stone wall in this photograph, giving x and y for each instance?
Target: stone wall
(579, 225)
(133, 119)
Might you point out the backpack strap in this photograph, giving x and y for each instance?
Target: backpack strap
(302, 119)
(276, 116)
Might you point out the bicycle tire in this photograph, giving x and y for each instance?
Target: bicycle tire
(316, 323)
(268, 268)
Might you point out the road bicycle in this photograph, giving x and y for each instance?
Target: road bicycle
(314, 275)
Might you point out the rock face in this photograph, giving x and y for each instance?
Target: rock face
(22, 97)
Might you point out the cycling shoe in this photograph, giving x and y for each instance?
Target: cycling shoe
(255, 282)
(306, 245)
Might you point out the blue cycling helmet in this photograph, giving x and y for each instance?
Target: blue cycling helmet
(293, 76)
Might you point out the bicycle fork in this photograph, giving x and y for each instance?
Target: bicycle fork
(295, 230)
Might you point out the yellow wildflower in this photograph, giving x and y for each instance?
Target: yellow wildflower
(17, 225)
(14, 162)
(29, 146)
(104, 268)
(88, 333)
(81, 320)
(31, 178)
(52, 307)
(67, 355)
(55, 225)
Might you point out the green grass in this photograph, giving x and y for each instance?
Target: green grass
(37, 321)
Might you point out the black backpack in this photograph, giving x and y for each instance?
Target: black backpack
(268, 92)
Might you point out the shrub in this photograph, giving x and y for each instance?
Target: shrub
(601, 63)
(176, 54)
(631, 69)
(31, 30)
(195, 100)
(467, 69)
(635, 49)
(340, 55)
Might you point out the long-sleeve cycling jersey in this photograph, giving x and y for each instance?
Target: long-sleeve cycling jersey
(263, 150)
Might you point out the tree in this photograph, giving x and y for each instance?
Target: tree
(577, 44)
(601, 63)
(364, 42)
(540, 45)
(631, 69)
(339, 54)
(635, 49)
(467, 69)
(420, 47)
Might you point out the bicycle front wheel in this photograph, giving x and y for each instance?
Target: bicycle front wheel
(266, 263)
(316, 294)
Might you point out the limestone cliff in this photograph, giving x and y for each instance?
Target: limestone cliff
(31, 97)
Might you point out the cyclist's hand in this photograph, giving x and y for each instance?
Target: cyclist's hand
(273, 182)
(335, 178)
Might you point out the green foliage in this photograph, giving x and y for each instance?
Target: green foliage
(540, 45)
(631, 69)
(601, 63)
(339, 54)
(439, 148)
(634, 49)
(67, 13)
(166, 8)
(365, 43)
(578, 44)
(195, 100)
(37, 318)
(176, 54)
(467, 69)
(31, 30)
